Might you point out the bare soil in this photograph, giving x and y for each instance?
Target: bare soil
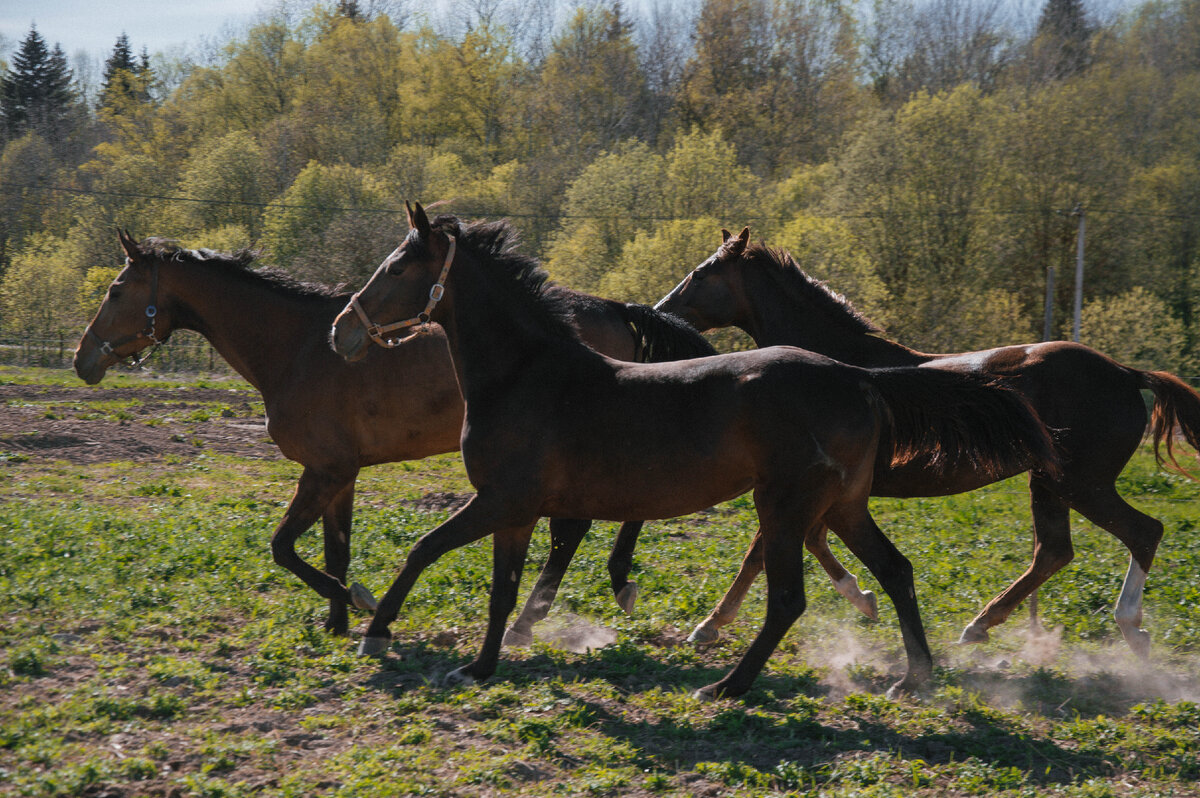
(55, 423)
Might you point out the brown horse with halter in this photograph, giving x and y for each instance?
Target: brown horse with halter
(1091, 401)
(554, 427)
(400, 403)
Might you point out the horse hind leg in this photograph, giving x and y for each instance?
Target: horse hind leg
(1141, 534)
(782, 557)
(620, 563)
(1052, 551)
(844, 582)
(858, 530)
(708, 631)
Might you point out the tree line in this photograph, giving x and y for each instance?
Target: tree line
(927, 158)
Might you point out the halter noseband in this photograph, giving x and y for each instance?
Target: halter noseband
(376, 332)
(110, 347)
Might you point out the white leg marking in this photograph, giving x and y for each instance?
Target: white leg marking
(1129, 605)
(865, 602)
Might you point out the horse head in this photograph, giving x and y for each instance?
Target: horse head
(708, 297)
(129, 320)
(410, 283)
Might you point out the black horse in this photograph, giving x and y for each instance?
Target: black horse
(555, 428)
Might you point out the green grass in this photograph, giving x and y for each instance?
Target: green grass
(149, 646)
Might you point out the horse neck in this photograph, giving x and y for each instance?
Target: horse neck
(489, 338)
(772, 318)
(255, 329)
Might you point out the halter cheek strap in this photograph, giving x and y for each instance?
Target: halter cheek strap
(111, 347)
(376, 332)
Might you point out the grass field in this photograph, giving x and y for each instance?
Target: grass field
(150, 647)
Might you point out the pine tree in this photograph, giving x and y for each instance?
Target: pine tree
(126, 79)
(1063, 38)
(36, 91)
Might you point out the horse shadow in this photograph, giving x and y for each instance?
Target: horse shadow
(779, 728)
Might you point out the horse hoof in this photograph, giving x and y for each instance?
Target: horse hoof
(362, 598)
(703, 635)
(905, 687)
(516, 639)
(709, 693)
(373, 646)
(459, 677)
(1139, 642)
(872, 605)
(974, 633)
(628, 597)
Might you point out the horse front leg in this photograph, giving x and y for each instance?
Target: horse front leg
(509, 547)
(475, 520)
(338, 518)
(565, 536)
(709, 630)
(315, 493)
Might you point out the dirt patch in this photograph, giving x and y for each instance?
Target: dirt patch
(47, 423)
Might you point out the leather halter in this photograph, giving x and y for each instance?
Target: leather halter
(110, 347)
(376, 332)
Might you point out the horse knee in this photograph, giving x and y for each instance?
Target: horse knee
(283, 552)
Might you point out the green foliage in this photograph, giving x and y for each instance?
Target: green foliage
(323, 227)
(38, 292)
(1135, 328)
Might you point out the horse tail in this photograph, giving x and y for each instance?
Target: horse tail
(1176, 407)
(662, 337)
(946, 420)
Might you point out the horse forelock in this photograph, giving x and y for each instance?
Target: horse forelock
(802, 287)
(238, 264)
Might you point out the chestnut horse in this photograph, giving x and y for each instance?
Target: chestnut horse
(660, 440)
(1091, 401)
(402, 403)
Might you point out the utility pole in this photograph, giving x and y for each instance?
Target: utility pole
(1078, 271)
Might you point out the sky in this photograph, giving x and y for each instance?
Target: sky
(94, 25)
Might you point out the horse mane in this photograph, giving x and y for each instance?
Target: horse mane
(801, 287)
(494, 242)
(238, 265)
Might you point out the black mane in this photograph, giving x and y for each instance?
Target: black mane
(495, 244)
(238, 264)
(802, 288)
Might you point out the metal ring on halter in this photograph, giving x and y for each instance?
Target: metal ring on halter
(438, 290)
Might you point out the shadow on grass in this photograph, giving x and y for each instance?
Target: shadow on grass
(784, 725)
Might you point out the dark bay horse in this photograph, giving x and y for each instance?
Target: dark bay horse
(334, 418)
(555, 428)
(1091, 401)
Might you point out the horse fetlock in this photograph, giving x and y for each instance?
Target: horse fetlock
(705, 634)
(374, 646)
(627, 597)
(362, 598)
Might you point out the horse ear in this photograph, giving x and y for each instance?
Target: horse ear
(411, 222)
(129, 245)
(421, 222)
(725, 235)
(744, 236)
